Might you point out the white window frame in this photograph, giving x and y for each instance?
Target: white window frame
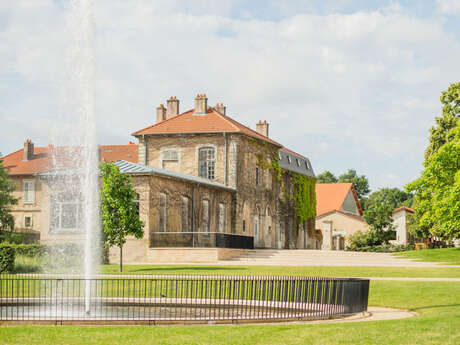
(78, 226)
(28, 197)
(168, 152)
(31, 222)
(204, 147)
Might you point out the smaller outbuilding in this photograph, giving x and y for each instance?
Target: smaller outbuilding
(401, 224)
(338, 214)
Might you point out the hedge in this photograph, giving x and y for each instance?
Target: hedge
(7, 256)
(19, 237)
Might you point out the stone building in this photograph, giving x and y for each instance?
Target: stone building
(338, 214)
(28, 167)
(205, 182)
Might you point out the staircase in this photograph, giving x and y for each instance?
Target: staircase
(311, 257)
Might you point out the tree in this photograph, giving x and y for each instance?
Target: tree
(6, 200)
(437, 191)
(119, 211)
(360, 183)
(326, 177)
(442, 133)
(379, 211)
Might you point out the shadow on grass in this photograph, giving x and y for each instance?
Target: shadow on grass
(437, 306)
(183, 268)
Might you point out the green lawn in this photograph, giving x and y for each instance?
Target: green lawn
(438, 323)
(438, 305)
(322, 271)
(446, 255)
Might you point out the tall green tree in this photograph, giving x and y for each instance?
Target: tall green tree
(326, 177)
(360, 183)
(379, 211)
(119, 210)
(437, 191)
(442, 132)
(6, 200)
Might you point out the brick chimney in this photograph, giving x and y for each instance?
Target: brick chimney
(172, 107)
(221, 108)
(201, 104)
(161, 113)
(28, 150)
(262, 128)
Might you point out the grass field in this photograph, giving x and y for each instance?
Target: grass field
(322, 271)
(446, 255)
(437, 303)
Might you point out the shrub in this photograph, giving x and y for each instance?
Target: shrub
(19, 237)
(7, 256)
(29, 250)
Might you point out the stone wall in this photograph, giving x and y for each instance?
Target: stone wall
(27, 209)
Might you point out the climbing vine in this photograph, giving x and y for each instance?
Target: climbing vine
(304, 197)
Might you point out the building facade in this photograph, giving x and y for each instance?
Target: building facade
(203, 179)
(338, 214)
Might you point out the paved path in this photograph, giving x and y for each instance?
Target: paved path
(373, 314)
(270, 257)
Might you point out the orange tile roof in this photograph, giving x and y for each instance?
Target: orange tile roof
(113, 153)
(408, 209)
(42, 158)
(212, 122)
(330, 197)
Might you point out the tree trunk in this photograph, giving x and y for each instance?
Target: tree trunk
(121, 258)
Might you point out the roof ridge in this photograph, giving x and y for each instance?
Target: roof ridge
(159, 123)
(293, 152)
(12, 153)
(251, 130)
(225, 118)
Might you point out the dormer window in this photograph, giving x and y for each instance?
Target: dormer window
(298, 162)
(207, 162)
(289, 159)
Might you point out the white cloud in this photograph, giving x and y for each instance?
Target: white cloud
(451, 7)
(350, 91)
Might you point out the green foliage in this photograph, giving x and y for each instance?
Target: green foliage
(119, 213)
(437, 192)
(276, 166)
(29, 250)
(7, 255)
(6, 200)
(370, 241)
(379, 211)
(19, 237)
(443, 132)
(304, 197)
(326, 177)
(360, 183)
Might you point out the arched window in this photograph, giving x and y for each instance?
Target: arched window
(163, 214)
(205, 215)
(221, 217)
(207, 162)
(186, 214)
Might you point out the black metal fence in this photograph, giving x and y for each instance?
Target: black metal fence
(200, 239)
(160, 298)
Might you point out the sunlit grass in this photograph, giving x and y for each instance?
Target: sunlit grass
(445, 255)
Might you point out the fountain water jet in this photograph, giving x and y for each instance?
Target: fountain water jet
(75, 151)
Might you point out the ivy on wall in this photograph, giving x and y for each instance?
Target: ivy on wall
(304, 196)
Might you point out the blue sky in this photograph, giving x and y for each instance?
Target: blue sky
(350, 84)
